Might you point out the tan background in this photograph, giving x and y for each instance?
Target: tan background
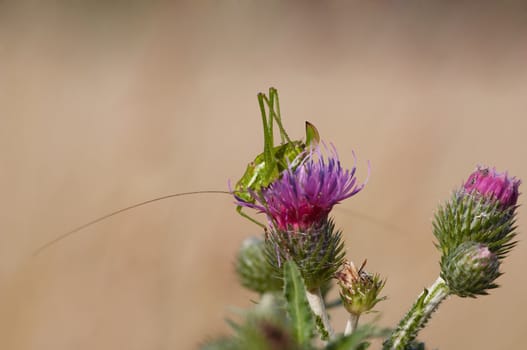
(104, 104)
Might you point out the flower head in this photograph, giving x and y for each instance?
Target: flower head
(481, 211)
(303, 196)
(494, 185)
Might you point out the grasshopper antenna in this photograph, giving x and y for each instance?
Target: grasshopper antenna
(370, 218)
(104, 217)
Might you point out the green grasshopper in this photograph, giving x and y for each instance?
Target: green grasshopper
(263, 170)
(268, 166)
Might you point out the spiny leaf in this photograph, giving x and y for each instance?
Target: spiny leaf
(298, 308)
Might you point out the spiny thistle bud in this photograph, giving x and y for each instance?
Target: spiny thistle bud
(470, 269)
(359, 290)
(318, 252)
(254, 272)
(482, 211)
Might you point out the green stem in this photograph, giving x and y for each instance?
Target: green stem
(316, 302)
(421, 311)
(352, 323)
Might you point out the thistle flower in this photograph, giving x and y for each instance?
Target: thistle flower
(494, 185)
(359, 290)
(297, 205)
(481, 211)
(303, 196)
(470, 269)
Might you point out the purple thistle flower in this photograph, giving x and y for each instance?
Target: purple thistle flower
(492, 184)
(302, 197)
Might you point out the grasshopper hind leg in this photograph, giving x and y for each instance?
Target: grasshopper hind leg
(239, 210)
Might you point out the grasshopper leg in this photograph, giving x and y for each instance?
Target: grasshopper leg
(239, 209)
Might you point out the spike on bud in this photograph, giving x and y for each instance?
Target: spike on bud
(470, 270)
(359, 290)
(494, 185)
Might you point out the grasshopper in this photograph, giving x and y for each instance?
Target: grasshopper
(262, 171)
(268, 165)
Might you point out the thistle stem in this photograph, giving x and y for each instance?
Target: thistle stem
(421, 311)
(316, 302)
(352, 323)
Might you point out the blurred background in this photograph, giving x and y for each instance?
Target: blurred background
(107, 103)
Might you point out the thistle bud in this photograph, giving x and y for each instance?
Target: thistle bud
(470, 269)
(482, 210)
(254, 272)
(359, 290)
(318, 252)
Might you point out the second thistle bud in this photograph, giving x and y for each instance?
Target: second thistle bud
(254, 272)
(470, 269)
(359, 290)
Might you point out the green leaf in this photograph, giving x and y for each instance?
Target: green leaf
(298, 308)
